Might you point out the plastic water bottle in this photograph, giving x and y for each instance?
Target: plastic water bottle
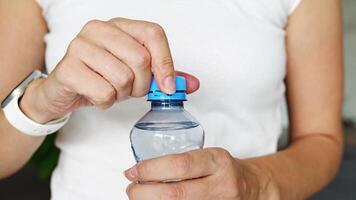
(167, 128)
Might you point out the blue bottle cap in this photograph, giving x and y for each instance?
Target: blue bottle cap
(155, 93)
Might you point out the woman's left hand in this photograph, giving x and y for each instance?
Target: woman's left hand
(208, 174)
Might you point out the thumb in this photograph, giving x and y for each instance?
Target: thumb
(192, 82)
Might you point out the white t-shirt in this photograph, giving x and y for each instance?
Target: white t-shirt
(235, 47)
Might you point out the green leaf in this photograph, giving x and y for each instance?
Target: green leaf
(46, 157)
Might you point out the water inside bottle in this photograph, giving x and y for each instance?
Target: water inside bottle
(150, 140)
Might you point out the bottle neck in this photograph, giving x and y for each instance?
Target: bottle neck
(167, 105)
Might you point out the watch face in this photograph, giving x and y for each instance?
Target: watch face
(20, 88)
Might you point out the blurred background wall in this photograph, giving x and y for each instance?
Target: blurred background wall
(350, 59)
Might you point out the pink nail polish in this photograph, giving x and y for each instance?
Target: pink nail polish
(133, 172)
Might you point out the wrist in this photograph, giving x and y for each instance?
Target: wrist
(33, 103)
(264, 185)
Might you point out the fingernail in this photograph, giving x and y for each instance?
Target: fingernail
(133, 173)
(169, 84)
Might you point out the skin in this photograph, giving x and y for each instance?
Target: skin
(314, 88)
(105, 63)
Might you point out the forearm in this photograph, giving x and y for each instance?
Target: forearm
(22, 29)
(15, 148)
(302, 169)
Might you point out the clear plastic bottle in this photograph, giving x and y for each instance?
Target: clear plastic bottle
(167, 128)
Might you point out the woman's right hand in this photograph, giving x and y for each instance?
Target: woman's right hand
(106, 62)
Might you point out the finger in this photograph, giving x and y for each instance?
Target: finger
(153, 37)
(184, 190)
(125, 48)
(77, 77)
(103, 62)
(193, 164)
(193, 83)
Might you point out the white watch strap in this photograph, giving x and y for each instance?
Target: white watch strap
(21, 122)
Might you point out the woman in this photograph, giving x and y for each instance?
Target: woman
(245, 53)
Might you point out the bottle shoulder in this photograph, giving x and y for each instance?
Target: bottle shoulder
(168, 116)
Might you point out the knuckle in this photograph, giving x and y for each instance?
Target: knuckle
(143, 59)
(106, 96)
(156, 31)
(167, 61)
(115, 19)
(77, 45)
(182, 164)
(93, 25)
(222, 156)
(126, 79)
(130, 191)
(142, 169)
(174, 192)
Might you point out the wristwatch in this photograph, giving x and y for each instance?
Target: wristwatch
(19, 120)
